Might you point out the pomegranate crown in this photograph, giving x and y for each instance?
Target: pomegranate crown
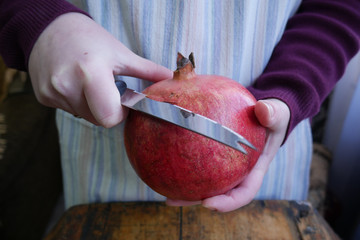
(182, 61)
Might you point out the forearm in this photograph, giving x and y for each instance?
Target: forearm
(21, 23)
(311, 57)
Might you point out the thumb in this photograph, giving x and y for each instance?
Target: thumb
(272, 113)
(139, 67)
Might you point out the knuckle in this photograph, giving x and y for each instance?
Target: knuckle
(85, 67)
(44, 95)
(60, 85)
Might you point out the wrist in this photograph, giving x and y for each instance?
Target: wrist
(32, 20)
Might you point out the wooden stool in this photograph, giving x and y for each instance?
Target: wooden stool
(152, 220)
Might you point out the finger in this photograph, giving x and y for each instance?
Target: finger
(272, 113)
(69, 98)
(239, 196)
(264, 113)
(247, 190)
(145, 69)
(49, 96)
(82, 110)
(103, 99)
(178, 203)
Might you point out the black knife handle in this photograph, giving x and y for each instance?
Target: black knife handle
(121, 86)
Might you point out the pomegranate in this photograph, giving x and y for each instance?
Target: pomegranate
(181, 164)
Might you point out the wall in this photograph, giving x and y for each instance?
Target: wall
(342, 137)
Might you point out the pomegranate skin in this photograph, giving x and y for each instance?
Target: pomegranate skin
(181, 164)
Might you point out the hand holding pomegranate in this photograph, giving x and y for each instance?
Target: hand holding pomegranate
(274, 115)
(72, 67)
(189, 168)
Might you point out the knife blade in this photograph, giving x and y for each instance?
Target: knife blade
(181, 117)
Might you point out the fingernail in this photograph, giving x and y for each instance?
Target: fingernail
(270, 108)
(210, 208)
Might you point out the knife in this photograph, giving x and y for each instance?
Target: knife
(181, 117)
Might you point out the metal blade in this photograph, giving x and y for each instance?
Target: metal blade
(185, 119)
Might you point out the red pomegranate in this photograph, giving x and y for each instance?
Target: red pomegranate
(181, 164)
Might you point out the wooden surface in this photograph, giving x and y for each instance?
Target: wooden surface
(259, 220)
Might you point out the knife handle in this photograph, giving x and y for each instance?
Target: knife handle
(121, 86)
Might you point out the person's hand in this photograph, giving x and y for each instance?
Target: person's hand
(274, 115)
(72, 67)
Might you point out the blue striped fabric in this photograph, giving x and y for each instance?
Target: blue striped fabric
(230, 38)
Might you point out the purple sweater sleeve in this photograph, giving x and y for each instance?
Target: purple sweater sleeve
(311, 56)
(21, 23)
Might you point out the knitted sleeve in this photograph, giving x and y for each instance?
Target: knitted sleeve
(311, 56)
(21, 23)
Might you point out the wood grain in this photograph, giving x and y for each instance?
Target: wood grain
(138, 220)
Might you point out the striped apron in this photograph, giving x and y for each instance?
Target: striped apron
(229, 38)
